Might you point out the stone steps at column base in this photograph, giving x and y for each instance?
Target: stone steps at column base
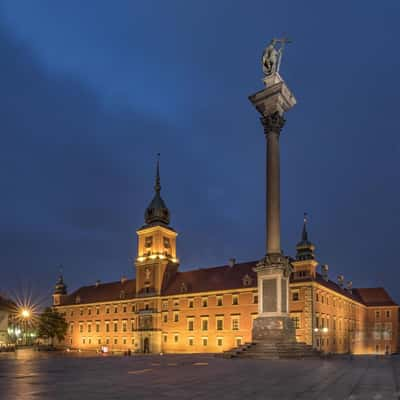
(271, 350)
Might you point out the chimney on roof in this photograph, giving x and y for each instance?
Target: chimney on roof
(325, 269)
(349, 286)
(340, 280)
(232, 262)
(97, 282)
(123, 279)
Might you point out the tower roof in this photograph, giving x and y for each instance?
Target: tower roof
(157, 211)
(305, 249)
(61, 287)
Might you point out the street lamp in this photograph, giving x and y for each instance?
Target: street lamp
(26, 314)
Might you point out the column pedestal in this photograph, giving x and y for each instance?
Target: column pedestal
(273, 323)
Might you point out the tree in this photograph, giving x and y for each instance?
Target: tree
(52, 325)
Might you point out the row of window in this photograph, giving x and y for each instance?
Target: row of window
(204, 324)
(383, 314)
(107, 341)
(165, 305)
(204, 340)
(204, 301)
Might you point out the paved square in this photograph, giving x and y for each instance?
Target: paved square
(31, 375)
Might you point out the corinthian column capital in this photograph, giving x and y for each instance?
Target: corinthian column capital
(273, 123)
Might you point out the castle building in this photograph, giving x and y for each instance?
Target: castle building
(212, 309)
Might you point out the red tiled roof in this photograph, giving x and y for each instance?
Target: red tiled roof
(374, 296)
(102, 292)
(212, 279)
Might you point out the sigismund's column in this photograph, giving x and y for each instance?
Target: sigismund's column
(273, 271)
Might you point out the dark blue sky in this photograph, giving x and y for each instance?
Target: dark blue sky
(91, 91)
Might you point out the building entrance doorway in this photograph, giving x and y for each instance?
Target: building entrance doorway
(146, 345)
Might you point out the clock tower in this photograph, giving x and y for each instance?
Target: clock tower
(156, 261)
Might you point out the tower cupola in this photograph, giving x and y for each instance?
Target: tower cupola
(157, 211)
(305, 249)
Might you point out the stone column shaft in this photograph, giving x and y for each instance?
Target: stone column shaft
(273, 124)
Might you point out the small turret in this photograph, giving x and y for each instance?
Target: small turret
(60, 290)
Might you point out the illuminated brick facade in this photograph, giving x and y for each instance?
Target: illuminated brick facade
(212, 310)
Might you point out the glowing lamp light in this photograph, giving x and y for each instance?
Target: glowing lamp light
(325, 330)
(316, 329)
(25, 313)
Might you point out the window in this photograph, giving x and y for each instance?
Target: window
(124, 326)
(107, 310)
(317, 322)
(387, 331)
(80, 328)
(176, 338)
(204, 302)
(81, 311)
(115, 341)
(89, 327)
(235, 299)
(132, 341)
(107, 326)
(388, 314)
(132, 325)
(238, 341)
(176, 316)
(115, 309)
(133, 308)
(90, 341)
(296, 320)
(98, 340)
(124, 309)
(97, 310)
(115, 326)
(89, 311)
(165, 338)
(176, 302)
(204, 340)
(204, 324)
(220, 341)
(219, 301)
(72, 313)
(295, 295)
(71, 328)
(97, 326)
(235, 323)
(124, 340)
(165, 317)
(190, 341)
(83, 340)
(377, 314)
(377, 331)
(316, 297)
(165, 305)
(108, 340)
(255, 298)
(220, 323)
(190, 303)
(190, 324)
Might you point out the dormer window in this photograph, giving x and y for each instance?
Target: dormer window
(183, 287)
(247, 280)
(122, 294)
(77, 299)
(167, 243)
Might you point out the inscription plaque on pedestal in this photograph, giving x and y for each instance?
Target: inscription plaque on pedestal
(269, 295)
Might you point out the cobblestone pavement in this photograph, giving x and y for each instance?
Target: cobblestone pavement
(42, 376)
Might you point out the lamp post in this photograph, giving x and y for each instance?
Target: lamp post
(25, 314)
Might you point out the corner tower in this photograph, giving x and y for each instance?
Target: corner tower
(156, 260)
(305, 264)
